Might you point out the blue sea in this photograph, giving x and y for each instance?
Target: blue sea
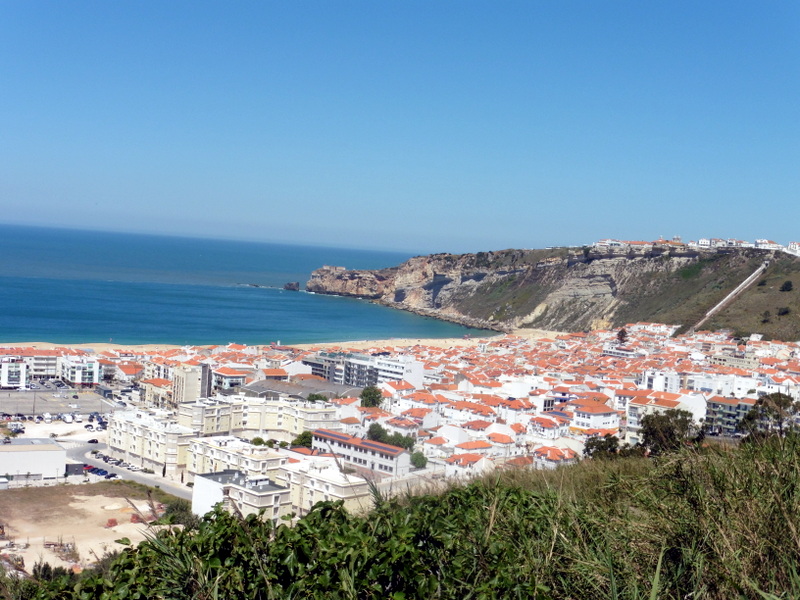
(71, 287)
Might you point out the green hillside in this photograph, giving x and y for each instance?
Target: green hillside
(716, 523)
(660, 289)
(764, 308)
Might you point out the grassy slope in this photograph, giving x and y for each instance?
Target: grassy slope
(746, 315)
(679, 296)
(683, 297)
(715, 524)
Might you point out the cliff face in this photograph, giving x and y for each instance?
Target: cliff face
(548, 289)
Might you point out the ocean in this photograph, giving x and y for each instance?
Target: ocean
(75, 287)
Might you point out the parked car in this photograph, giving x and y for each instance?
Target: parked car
(111, 476)
(93, 441)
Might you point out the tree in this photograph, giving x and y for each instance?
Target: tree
(419, 460)
(377, 433)
(622, 336)
(771, 413)
(787, 286)
(258, 441)
(403, 441)
(667, 431)
(314, 397)
(605, 447)
(371, 396)
(304, 439)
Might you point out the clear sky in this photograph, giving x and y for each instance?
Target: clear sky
(424, 125)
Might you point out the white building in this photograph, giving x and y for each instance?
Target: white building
(212, 416)
(32, 459)
(372, 456)
(13, 372)
(284, 419)
(79, 371)
(225, 452)
(190, 383)
(240, 494)
(150, 441)
(319, 479)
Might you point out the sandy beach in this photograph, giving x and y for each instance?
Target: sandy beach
(357, 345)
(98, 347)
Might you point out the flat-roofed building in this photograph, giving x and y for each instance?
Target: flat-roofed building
(319, 479)
(225, 452)
(13, 372)
(212, 416)
(32, 459)
(79, 371)
(150, 440)
(362, 370)
(190, 383)
(284, 419)
(240, 494)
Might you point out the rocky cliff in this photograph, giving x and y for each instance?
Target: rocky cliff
(564, 290)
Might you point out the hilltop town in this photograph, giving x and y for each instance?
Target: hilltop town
(700, 244)
(225, 422)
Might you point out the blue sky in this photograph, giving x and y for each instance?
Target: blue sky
(414, 125)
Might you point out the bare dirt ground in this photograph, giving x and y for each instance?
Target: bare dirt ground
(70, 514)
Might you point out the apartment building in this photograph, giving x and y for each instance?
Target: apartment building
(362, 370)
(79, 371)
(212, 416)
(724, 414)
(319, 479)
(42, 364)
(284, 419)
(381, 459)
(157, 392)
(150, 440)
(190, 383)
(240, 494)
(13, 372)
(158, 368)
(225, 452)
(226, 378)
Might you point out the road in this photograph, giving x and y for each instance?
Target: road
(80, 452)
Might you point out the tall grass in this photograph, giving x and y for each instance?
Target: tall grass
(717, 523)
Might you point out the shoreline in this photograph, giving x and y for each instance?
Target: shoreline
(530, 334)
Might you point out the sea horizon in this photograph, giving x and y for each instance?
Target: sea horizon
(67, 286)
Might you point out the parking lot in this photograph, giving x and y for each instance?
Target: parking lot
(54, 401)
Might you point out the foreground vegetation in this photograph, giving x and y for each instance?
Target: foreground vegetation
(717, 522)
